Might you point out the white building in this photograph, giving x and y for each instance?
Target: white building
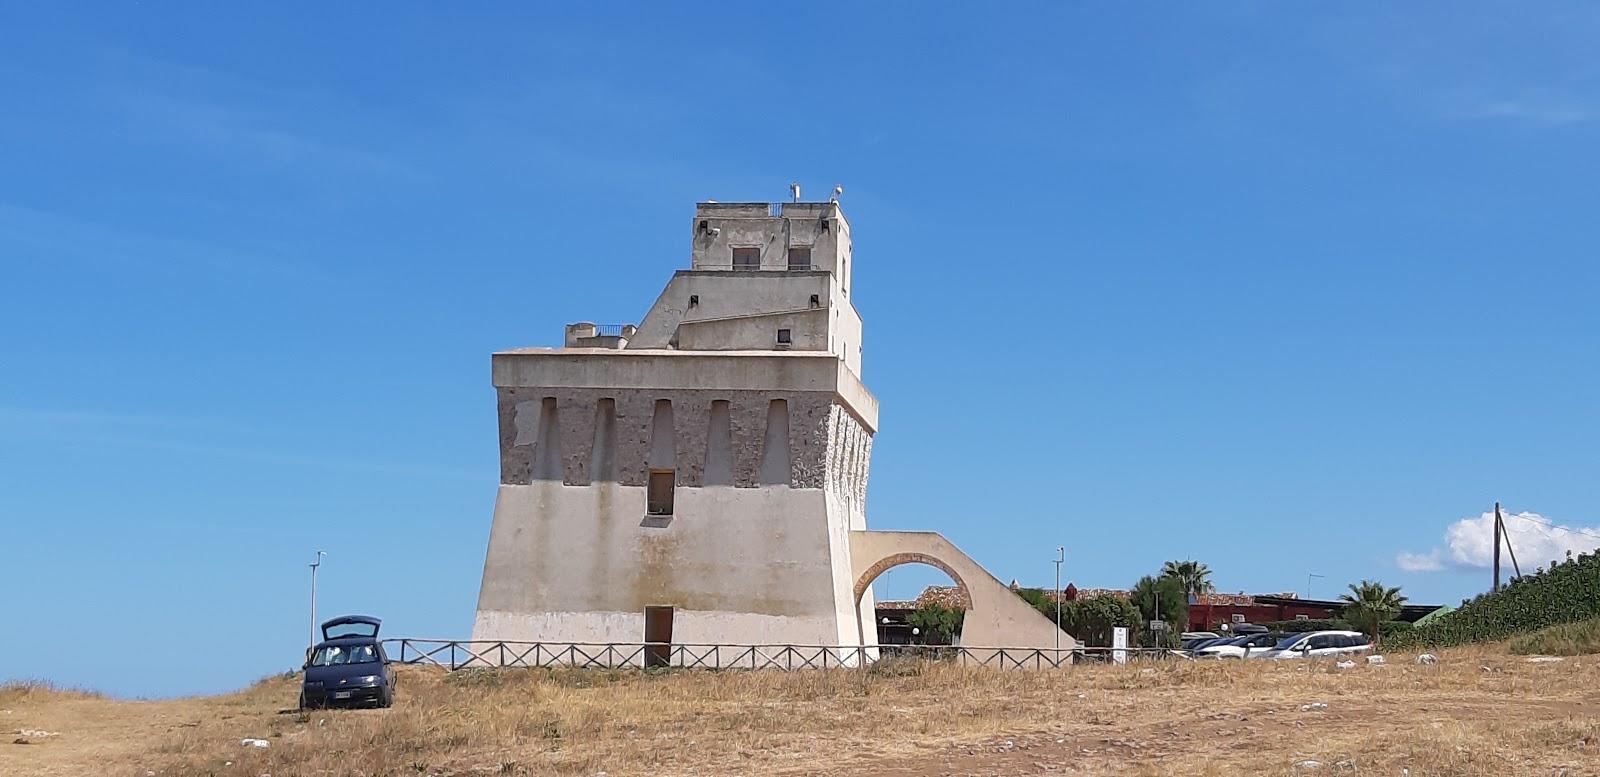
(701, 478)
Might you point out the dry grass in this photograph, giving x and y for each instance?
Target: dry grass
(1213, 718)
(18, 691)
(1566, 639)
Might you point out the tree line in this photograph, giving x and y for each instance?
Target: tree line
(1155, 610)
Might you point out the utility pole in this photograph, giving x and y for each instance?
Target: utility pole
(1061, 555)
(1497, 531)
(314, 566)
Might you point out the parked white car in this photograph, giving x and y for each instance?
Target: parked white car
(1320, 644)
(1245, 646)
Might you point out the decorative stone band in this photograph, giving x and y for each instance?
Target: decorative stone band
(743, 438)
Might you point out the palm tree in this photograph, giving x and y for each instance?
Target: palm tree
(1369, 604)
(1194, 576)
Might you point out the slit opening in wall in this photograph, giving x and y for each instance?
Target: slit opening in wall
(602, 456)
(719, 445)
(775, 456)
(547, 460)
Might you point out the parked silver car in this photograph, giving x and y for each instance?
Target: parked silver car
(1319, 644)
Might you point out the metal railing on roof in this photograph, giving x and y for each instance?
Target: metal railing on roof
(756, 268)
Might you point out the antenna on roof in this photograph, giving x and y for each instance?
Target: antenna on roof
(837, 190)
(794, 190)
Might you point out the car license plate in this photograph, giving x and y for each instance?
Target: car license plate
(341, 694)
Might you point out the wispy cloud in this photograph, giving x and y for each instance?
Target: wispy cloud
(250, 131)
(206, 436)
(32, 234)
(1536, 540)
(245, 119)
(1420, 562)
(1542, 110)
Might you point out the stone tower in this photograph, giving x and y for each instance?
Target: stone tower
(700, 478)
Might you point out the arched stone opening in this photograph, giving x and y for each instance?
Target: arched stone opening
(890, 562)
(866, 622)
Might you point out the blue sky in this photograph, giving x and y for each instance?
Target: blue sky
(1283, 289)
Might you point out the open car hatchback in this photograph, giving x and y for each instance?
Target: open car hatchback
(348, 667)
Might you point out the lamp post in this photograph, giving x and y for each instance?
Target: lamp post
(1308, 583)
(314, 566)
(1061, 555)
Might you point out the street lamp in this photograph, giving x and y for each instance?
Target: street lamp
(314, 566)
(1061, 555)
(1308, 583)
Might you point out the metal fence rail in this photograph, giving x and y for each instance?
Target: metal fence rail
(463, 654)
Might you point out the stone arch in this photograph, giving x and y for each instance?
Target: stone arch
(897, 559)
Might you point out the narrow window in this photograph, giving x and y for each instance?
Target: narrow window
(800, 258)
(746, 258)
(784, 337)
(659, 499)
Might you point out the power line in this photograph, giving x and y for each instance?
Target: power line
(1546, 522)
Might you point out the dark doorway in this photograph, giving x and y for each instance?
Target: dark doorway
(657, 636)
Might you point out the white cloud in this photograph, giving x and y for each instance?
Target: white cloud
(1536, 540)
(1419, 562)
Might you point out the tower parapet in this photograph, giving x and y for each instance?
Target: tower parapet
(761, 277)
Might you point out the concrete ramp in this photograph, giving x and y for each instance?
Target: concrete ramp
(996, 616)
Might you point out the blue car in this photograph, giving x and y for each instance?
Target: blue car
(348, 668)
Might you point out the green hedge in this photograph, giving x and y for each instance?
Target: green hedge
(1089, 619)
(1566, 593)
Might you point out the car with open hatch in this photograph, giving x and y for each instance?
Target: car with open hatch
(348, 668)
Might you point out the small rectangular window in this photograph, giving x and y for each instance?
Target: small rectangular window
(800, 258)
(784, 337)
(747, 258)
(659, 499)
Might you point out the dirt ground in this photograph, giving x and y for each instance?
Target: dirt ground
(1479, 711)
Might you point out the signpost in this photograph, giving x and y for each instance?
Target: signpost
(1119, 645)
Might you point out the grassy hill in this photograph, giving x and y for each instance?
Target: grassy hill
(1568, 592)
(1179, 717)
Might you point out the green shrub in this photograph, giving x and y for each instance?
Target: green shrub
(939, 625)
(1565, 639)
(1091, 619)
(1163, 596)
(1566, 593)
